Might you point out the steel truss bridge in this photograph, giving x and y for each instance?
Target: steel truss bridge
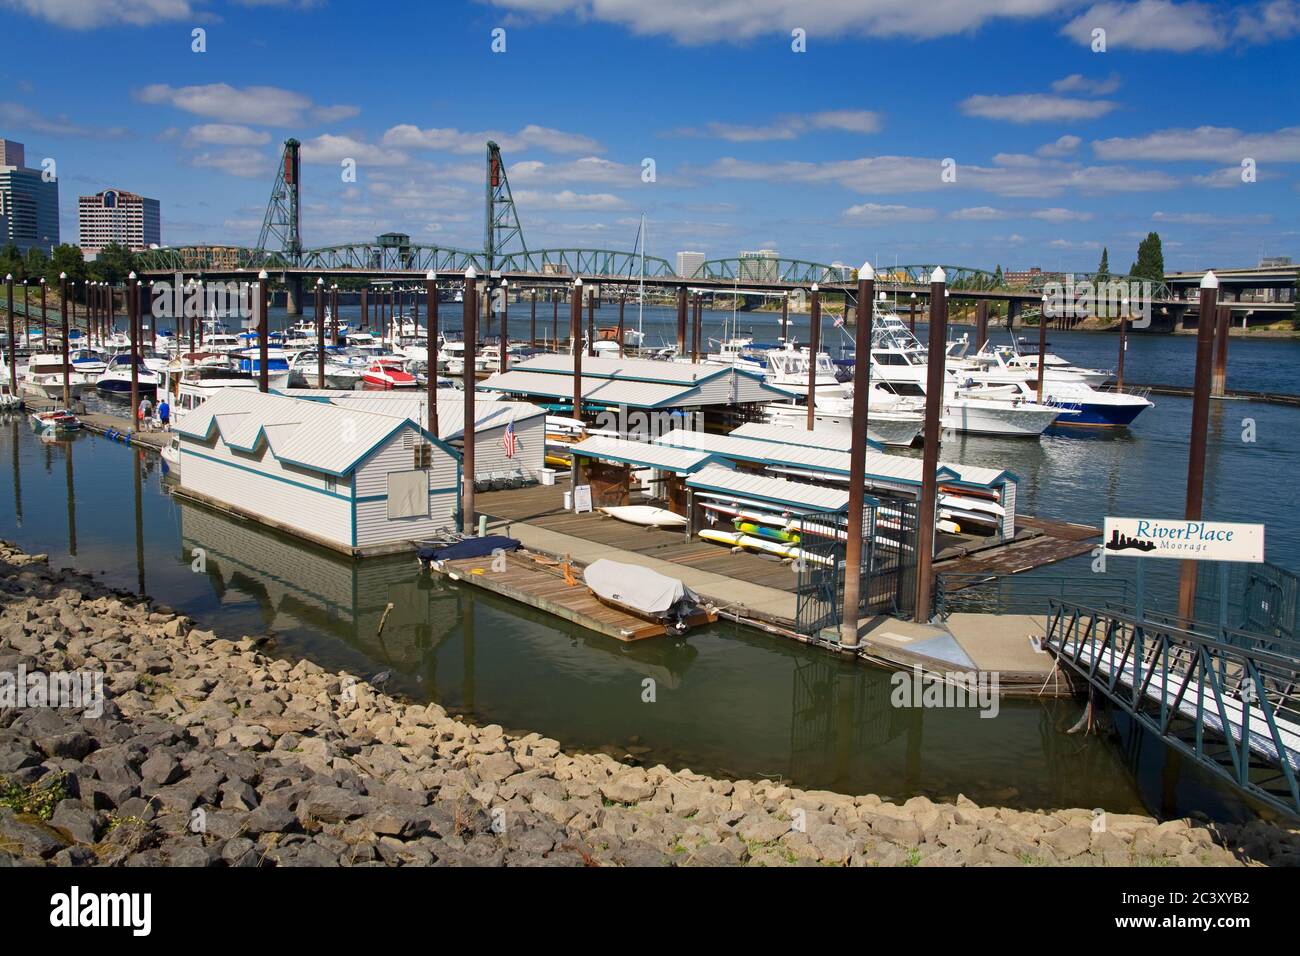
(280, 250)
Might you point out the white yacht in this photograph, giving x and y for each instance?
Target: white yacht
(44, 376)
(891, 420)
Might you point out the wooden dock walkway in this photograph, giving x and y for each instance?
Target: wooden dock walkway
(103, 423)
(542, 583)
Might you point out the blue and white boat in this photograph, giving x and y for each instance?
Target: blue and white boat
(88, 364)
(1084, 407)
(248, 362)
(116, 379)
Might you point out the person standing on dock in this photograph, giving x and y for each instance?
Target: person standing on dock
(164, 414)
(144, 414)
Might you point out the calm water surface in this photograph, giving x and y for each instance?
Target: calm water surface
(729, 701)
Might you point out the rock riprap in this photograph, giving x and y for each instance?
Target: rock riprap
(209, 752)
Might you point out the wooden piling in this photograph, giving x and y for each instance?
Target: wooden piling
(575, 339)
(934, 399)
(1200, 428)
(1219, 380)
(469, 428)
(858, 457)
(814, 346)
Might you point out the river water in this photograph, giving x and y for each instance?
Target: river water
(727, 701)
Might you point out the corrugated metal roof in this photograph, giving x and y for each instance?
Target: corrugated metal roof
(451, 410)
(831, 438)
(605, 391)
(884, 468)
(641, 453)
(316, 435)
(624, 369)
(778, 491)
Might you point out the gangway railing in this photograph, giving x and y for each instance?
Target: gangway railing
(989, 592)
(1230, 699)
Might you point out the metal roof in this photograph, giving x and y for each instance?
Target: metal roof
(833, 439)
(597, 390)
(314, 435)
(488, 412)
(777, 491)
(643, 454)
(880, 467)
(624, 369)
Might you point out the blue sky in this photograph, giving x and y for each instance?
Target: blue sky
(834, 153)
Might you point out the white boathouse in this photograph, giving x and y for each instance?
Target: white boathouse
(353, 480)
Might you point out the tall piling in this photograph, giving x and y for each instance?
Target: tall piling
(1200, 428)
(468, 430)
(858, 458)
(814, 346)
(934, 399)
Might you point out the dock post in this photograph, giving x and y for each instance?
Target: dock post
(1123, 347)
(263, 331)
(934, 398)
(622, 301)
(785, 315)
(555, 319)
(13, 342)
(1042, 345)
(981, 323)
(1200, 426)
(681, 321)
(334, 314)
(1219, 382)
(591, 323)
(195, 320)
(63, 312)
(365, 309)
(468, 429)
(320, 332)
(911, 313)
(532, 321)
(431, 347)
(44, 322)
(814, 346)
(695, 328)
(133, 328)
(858, 457)
(505, 324)
(575, 340)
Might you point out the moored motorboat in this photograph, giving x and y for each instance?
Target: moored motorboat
(388, 373)
(647, 594)
(55, 422)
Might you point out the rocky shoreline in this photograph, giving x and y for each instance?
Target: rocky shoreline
(207, 752)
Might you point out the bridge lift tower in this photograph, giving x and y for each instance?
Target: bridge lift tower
(283, 222)
(502, 227)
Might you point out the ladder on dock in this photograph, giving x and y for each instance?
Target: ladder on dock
(1227, 698)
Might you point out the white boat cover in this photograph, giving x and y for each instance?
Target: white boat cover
(648, 591)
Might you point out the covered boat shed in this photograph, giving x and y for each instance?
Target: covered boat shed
(352, 480)
(615, 467)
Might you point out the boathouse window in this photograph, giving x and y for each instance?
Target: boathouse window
(408, 494)
(331, 484)
(424, 455)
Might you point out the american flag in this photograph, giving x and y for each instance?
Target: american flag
(508, 439)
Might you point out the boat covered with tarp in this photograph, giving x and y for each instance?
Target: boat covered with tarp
(647, 594)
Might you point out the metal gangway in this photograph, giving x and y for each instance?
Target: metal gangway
(1227, 698)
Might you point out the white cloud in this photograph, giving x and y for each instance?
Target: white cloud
(88, 14)
(20, 117)
(1213, 143)
(980, 214)
(1057, 214)
(1183, 27)
(876, 212)
(225, 134)
(1063, 146)
(449, 140)
(1078, 83)
(588, 170)
(728, 21)
(1211, 219)
(260, 105)
(1224, 178)
(787, 127)
(569, 200)
(329, 149)
(1034, 107)
(244, 162)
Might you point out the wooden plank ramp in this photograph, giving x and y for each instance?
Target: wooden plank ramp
(541, 582)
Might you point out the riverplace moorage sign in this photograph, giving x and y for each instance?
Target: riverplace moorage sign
(1185, 540)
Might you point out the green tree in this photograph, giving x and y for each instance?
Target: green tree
(66, 258)
(11, 262)
(113, 264)
(1151, 259)
(1103, 267)
(35, 264)
(998, 280)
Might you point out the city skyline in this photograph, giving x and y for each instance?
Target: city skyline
(1057, 151)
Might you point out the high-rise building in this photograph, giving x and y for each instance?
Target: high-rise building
(29, 205)
(688, 262)
(760, 266)
(117, 216)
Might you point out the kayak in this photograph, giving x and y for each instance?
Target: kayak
(646, 515)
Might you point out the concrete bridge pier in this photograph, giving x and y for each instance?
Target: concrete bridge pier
(293, 295)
